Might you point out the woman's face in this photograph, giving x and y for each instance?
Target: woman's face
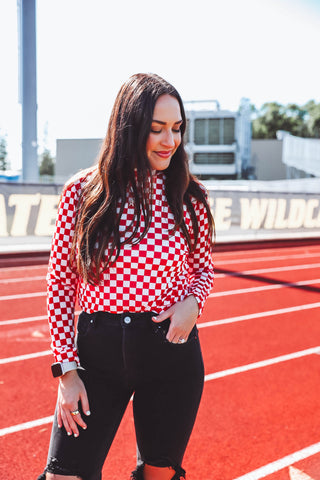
(165, 136)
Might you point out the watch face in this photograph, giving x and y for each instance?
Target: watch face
(56, 369)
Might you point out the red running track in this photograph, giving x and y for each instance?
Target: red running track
(260, 334)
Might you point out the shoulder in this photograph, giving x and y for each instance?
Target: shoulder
(198, 192)
(203, 189)
(76, 183)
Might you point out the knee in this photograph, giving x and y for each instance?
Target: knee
(151, 472)
(54, 476)
(157, 473)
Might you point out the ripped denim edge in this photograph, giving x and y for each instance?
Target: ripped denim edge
(54, 468)
(138, 473)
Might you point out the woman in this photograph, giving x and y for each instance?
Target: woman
(133, 241)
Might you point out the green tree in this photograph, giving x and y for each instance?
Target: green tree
(273, 116)
(47, 163)
(4, 165)
(313, 118)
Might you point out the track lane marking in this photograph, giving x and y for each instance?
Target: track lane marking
(216, 262)
(18, 296)
(308, 249)
(241, 318)
(296, 474)
(25, 267)
(211, 295)
(268, 270)
(257, 474)
(23, 320)
(27, 356)
(209, 377)
(262, 288)
(4, 281)
(263, 363)
(268, 313)
(284, 462)
(26, 426)
(266, 259)
(218, 275)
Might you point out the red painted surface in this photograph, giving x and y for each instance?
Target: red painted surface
(246, 420)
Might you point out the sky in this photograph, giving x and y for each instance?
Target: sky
(264, 50)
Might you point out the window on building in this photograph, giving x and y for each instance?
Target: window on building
(214, 158)
(186, 133)
(228, 131)
(214, 131)
(200, 131)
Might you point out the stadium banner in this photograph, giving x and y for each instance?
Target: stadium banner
(244, 215)
(28, 210)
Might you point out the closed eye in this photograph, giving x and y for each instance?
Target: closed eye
(159, 131)
(177, 125)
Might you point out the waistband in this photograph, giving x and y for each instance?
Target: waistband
(119, 318)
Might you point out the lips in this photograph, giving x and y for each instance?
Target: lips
(164, 153)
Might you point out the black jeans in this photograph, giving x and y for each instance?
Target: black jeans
(123, 355)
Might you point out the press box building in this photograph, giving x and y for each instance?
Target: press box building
(219, 141)
(218, 144)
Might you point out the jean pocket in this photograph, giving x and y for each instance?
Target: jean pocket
(193, 335)
(85, 321)
(161, 330)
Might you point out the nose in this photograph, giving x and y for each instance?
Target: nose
(168, 139)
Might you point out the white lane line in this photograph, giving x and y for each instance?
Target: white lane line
(200, 325)
(4, 281)
(269, 270)
(213, 323)
(216, 262)
(23, 320)
(263, 363)
(284, 462)
(25, 426)
(17, 321)
(27, 356)
(43, 266)
(269, 313)
(218, 275)
(213, 376)
(235, 261)
(262, 288)
(266, 259)
(18, 296)
(212, 295)
(265, 251)
(296, 474)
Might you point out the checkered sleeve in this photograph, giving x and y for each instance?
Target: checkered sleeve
(200, 260)
(62, 282)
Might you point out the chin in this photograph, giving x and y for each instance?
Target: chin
(160, 166)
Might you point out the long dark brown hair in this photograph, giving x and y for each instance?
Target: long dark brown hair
(123, 164)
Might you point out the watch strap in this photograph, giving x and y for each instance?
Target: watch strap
(58, 369)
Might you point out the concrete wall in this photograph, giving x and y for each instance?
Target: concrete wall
(28, 212)
(266, 157)
(75, 154)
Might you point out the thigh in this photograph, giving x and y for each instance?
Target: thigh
(85, 455)
(99, 346)
(165, 408)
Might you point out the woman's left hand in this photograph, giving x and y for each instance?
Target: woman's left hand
(183, 316)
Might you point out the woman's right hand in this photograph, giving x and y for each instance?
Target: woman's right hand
(71, 391)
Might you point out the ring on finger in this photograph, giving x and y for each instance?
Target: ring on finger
(75, 412)
(181, 340)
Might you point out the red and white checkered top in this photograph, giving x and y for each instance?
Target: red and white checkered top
(149, 276)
